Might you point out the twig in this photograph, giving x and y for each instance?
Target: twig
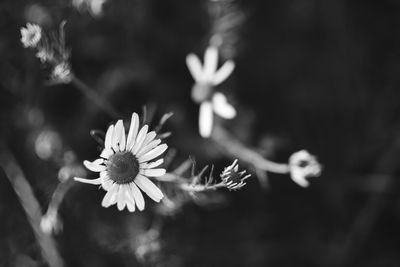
(92, 96)
(236, 149)
(31, 206)
(58, 196)
(200, 187)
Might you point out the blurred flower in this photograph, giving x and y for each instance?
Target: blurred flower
(95, 7)
(61, 73)
(44, 55)
(50, 223)
(303, 165)
(70, 167)
(48, 144)
(148, 246)
(70, 170)
(31, 35)
(206, 78)
(208, 74)
(232, 178)
(124, 166)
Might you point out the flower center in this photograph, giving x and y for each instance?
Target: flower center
(235, 177)
(202, 92)
(123, 167)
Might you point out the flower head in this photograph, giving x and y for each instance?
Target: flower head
(61, 73)
(31, 35)
(303, 165)
(206, 78)
(208, 73)
(44, 55)
(232, 178)
(124, 166)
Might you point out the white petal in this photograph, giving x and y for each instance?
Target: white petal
(205, 119)
(106, 153)
(149, 188)
(95, 165)
(137, 195)
(109, 134)
(223, 73)
(210, 62)
(121, 197)
(151, 164)
(111, 197)
(122, 142)
(298, 177)
(140, 138)
(148, 147)
(130, 201)
(117, 135)
(107, 183)
(88, 181)
(155, 152)
(195, 68)
(149, 137)
(222, 107)
(133, 130)
(153, 172)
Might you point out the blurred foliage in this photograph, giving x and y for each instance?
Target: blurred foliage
(320, 75)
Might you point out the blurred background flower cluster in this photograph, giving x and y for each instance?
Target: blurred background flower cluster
(320, 75)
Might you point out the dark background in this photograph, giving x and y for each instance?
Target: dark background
(319, 75)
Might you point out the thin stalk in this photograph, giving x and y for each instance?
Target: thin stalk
(102, 103)
(32, 208)
(236, 149)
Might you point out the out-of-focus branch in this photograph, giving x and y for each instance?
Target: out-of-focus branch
(200, 187)
(236, 150)
(31, 206)
(50, 221)
(102, 103)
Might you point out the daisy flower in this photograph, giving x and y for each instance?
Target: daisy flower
(232, 178)
(31, 35)
(206, 78)
(303, 165)
(125, 165)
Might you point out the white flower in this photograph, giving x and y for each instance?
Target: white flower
(209, 73)
(232, 178)
(303, 165)
(62, 73)
(124, 166)
(31, 35)
(206, 78)
(44, 55)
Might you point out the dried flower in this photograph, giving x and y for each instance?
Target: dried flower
(61, 73)
(45, 55)
(31, 35)
(124, 166)
(303, 165)
(206, 78)
(232, 178)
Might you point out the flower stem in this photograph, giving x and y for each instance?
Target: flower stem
(32, 208)
(200, 187)
(92, 96)
(236, 149)
(58, 195)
